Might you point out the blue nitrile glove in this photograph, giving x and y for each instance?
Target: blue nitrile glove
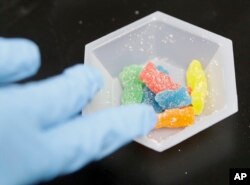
(41, 133)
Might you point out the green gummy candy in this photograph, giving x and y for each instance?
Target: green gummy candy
(132, 86)
(132, 94)
(129, 75)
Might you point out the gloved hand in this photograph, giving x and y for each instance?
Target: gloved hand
(41, 134)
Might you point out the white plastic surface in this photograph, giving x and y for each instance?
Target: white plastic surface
(172, 43)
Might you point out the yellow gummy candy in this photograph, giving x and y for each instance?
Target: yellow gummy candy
(196, 79)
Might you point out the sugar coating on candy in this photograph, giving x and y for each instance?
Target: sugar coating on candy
(129, 75)
(149, 99)
(195, 74)
(132, 94)
(196, 80)
(170, 99)
(132, 87)
(198, 97)
(174, 118)
(149, 96)
(162, 69)
(155, 80)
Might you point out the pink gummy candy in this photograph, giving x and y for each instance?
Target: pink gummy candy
(155, 80)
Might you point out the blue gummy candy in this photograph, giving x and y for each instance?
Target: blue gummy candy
(170, 99)
(149, 99)
(162, 69)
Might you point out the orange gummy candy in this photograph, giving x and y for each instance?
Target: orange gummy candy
(174, 118)
(189, 90)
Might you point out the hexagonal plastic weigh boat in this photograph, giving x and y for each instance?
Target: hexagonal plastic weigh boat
(172, 43)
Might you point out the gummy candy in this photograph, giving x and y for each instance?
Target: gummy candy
(132, 87)
(170, 99)
(189, 90)
(155, 80)
(149, 99)
(132, 94)
(163, 94)
(174, 118)
(162, 69)
(196, 79)
(129, 75)
(149, 96)
(195, 74)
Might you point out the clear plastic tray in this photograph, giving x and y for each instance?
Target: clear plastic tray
(172, 43)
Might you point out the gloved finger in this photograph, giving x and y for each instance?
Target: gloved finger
(93, 137)
(19, 58)
(53, 100)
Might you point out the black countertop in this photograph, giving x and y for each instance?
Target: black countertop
(61, 28)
